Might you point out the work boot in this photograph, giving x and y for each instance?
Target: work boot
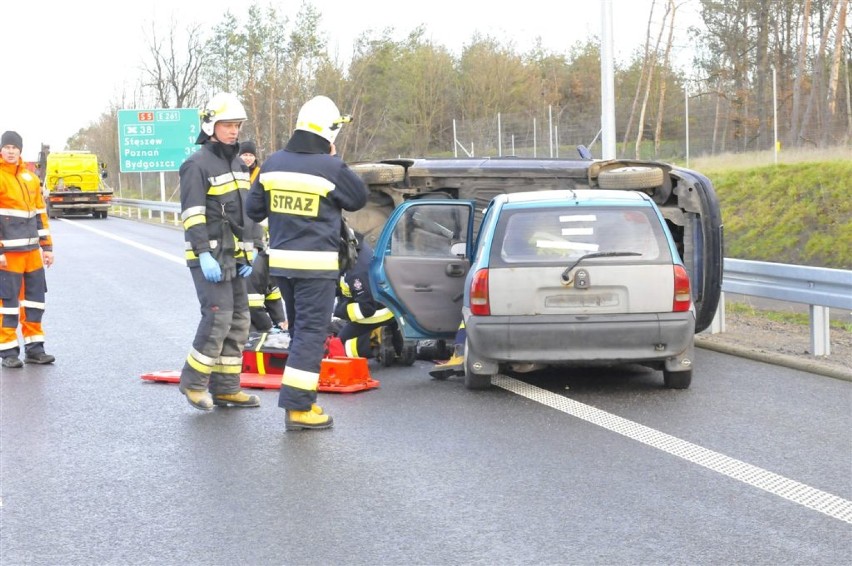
(38, 358)
(12, 362)
(238, 399)
(299, 420)
(453, 366)
(198, 398)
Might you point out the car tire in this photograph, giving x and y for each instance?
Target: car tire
(379, 173)
(474, 381)
(631, 178)
(677, 379)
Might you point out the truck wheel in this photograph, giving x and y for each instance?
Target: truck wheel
(631, 178)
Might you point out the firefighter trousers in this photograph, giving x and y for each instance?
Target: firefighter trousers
(216, 358)
(22, 291)
(309, 304)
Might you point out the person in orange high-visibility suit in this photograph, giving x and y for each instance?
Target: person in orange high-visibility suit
(25, 250)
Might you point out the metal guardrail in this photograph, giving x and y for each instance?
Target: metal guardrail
(128, 206)
(819, 288)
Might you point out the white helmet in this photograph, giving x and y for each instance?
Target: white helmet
(225, 107)
(320, 116)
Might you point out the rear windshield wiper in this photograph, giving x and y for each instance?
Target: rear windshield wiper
(592, 255)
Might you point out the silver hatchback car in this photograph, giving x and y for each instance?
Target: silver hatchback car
(550, 278)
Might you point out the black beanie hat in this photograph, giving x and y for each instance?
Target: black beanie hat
(248, 147)
(12, 138)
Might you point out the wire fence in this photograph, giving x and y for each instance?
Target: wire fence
(701, 125)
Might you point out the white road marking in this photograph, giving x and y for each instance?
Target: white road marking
(810, 497)
(170, 257)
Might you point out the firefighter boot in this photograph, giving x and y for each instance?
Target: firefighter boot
(198, 398)
(238, 399)
(300, 420)
(453, 366)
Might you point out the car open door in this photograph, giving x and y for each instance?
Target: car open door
(420, 265)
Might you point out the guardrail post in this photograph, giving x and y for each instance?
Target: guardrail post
(820, 342)
(717, 325)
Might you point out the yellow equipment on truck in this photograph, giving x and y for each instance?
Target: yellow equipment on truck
(73, 182)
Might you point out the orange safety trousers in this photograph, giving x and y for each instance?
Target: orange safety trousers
(22, 292)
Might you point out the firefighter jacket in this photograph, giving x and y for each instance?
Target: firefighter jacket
(23, 214)
(302, 193)
(355, 300)
(213, 184)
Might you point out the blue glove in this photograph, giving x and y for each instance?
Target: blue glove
(210, 267)
(244, 270)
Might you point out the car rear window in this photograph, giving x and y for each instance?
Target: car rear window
(544, 235)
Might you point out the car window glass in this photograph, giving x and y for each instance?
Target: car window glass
(561, 234)
(431, 231)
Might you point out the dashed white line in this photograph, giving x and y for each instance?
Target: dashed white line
(794, 491)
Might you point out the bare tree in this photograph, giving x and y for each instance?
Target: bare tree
(173, 71)
(800, 69)
(664, 72)
(834, 74)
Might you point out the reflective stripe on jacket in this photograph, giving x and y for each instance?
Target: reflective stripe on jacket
(302, 194)
(23, 214)
(212, 193)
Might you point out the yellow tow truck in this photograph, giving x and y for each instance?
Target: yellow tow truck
(73, 182)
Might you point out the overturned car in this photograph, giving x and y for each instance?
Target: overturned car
(686, 199)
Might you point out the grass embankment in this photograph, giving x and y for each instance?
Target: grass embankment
(799, 213)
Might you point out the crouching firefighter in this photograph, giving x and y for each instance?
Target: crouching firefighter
(356, 305)
(213, 216)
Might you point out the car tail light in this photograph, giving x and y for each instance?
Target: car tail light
(682, 296)
(479, 294)
(104, 198)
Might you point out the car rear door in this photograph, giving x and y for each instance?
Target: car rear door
(420, 265)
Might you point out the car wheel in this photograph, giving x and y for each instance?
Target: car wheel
(379, 173)
(472, 380)
(631, 178)
(677, 379)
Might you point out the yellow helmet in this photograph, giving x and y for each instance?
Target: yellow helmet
(320, 116)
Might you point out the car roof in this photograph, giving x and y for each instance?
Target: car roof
(580, 196)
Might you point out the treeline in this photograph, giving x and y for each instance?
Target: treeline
(415, 97)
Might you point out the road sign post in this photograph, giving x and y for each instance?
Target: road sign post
(157, 139)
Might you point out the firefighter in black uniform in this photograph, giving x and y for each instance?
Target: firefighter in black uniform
(212, 184)
(356, 305)
(302, 189)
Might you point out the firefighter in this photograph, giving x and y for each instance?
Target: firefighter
(455, 365)
(26, 248)
(356, 305)
(212, 185)
(266, 304)
(302, 189)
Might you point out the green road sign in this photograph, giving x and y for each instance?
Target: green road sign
(156, 140)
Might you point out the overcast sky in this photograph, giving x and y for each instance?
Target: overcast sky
(64, 62)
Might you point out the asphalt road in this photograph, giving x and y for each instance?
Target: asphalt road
(751, 465)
